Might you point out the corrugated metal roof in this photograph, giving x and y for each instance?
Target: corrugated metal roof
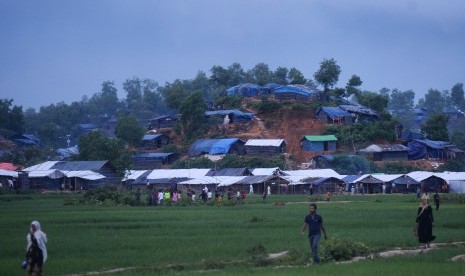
(265, 142)
(79, 165)
(229, 172)
(47, 165)
(8, 173)
(150, 137)
(133, 174)
(177, 173)
(46, 173)
(314, 173)
(383, 148)
(89, 175)
(320, 138)
(266, 171)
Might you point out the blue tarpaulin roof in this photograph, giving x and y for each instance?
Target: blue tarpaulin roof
(298, 89)
(212, 146)
(335, 112)
(154, 155)
(244, 89)
(150, 137)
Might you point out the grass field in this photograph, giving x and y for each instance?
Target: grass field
(219, 239)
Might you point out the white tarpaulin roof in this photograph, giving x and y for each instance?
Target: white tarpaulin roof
(220, 180)
(420, 175)
(264, 142)
(314, 173)
(89, 175)
(387, 177)
(46, 173)
(264, 171)
(9, 173)
(177, 173)
(133, 174)
(42, 166)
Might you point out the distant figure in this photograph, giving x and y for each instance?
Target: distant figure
(36, 249)
(138, 197)
(384, 188)
(311, 189)
(418, 192)
(437, 200)
(209, 196)
(226, 119)
(352, 190)
(425, 223)
(264, 196)
(328, 195)
(315, 226)
(10, 184)
(250, 189)
(393, 189)
(205, 189)
(268, 190)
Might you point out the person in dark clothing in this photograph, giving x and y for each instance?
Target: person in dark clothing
(425, 223)
(315, 226)
(138, 197)
(437, 200)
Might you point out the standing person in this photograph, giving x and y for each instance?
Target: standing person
(425, 222)
(328, 195)
(209, 196)
(437, 199)
(315, 226)
(418, 192)
(250, 189)
(384, 187)
(36, 249)
(138, 197)
(264, 196)
(268, 190)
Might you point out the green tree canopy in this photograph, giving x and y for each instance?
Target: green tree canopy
(373, 100)
(457, 95)
(328, 74)
(11, 117)
(128, 130)
(435, 127)
(296, 77)
(95, 146)
(193, 114)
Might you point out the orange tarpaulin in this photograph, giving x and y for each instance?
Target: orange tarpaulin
(8, 166)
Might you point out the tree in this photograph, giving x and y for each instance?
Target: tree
(280, 75)
(128, 130)
(296, 77)
(11, 117)
(433, 102)
(328, 74)
(174, 94)
(352, 86)
(220, 76)
(236, 73)
(436, 127)
(457, 95)
(260, 74)
(193, 114)
(95, 146)
(345, 164)
(373, 100)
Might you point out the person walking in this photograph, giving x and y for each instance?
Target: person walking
(315, 225)
(36, 249)
(437, 200)
(425, 222)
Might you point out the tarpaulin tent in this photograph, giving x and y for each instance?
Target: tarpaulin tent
(216, 146)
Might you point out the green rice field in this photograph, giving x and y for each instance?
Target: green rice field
(227, 239)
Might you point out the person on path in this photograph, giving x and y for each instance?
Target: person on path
(437, 200)
(268, 191)
(36, 249)
(250, 189)
(315, 226)
(425, 222)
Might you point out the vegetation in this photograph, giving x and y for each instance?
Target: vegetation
(227, 239)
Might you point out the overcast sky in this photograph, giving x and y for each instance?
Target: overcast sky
(53, 51)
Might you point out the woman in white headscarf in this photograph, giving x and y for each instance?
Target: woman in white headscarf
(36, 249)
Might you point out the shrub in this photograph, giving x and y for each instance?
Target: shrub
(338, 250)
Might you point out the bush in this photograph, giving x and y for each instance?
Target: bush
(338, 250)
(109, 196)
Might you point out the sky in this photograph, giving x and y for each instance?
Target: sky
(55, 51)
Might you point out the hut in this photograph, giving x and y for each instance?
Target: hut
(361, 113)
(391, 152)
(228, 116)
(318, 143)
(325, 184)
(245, 90)
(217, 146)
(155, 141)
(165, 121)
(153, 160)
(265, 147)
(334, 115)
